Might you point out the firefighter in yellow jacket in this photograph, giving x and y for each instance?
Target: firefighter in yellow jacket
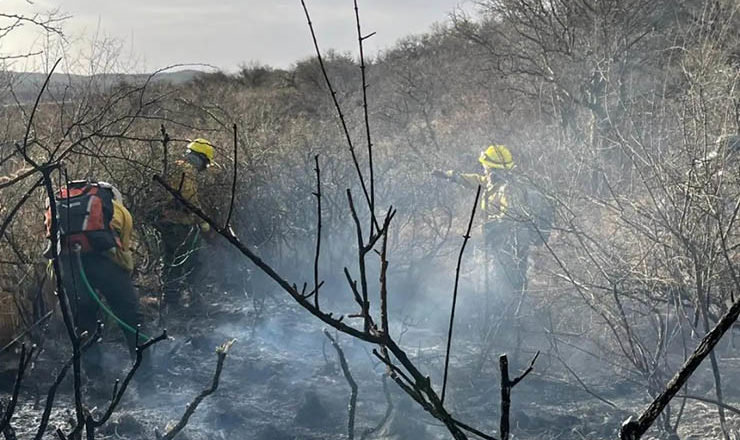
(94, 248)
(515, 215)
(180, 229)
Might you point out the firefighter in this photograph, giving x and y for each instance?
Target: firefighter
(515, 215)
(179, 229)
(94, 248)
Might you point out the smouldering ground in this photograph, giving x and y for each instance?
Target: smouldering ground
(281, 382)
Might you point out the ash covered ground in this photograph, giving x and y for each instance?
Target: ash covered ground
(282, 381)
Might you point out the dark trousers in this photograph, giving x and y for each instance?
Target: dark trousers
(181, 244)
(111, 282)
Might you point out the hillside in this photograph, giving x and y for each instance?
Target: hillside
(25, 85)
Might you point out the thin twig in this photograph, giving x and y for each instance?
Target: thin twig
(384, 328)
(51, 393)
(11, 215)
(527, 371)
(393, 370)
(165, 148)
(89, 427)
(61, 295)
(318, 233)
(340, 114)
(505, 397)
(12, 181)
(36, 106)
(23, 333)
(221, 352)
(233, 182)
(730, 408)
(119, 391)
(388, 410)
(62, 298)
(506, 387)
(9, 433)
(352, 384)
(474, 431)
(466, 237)
(229, 235)
(360, 39)
(579, 380)
(361, 261)
(422, 383)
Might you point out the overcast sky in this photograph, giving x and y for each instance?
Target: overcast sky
(227, 33)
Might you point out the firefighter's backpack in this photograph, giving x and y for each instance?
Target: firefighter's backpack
(84, 214)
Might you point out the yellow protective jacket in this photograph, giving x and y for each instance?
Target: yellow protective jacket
(512, 204)
(123, 224)
(182, 177)
(495, 197)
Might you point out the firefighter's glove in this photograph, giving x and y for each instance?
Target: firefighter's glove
(206, 231)
(205, 227)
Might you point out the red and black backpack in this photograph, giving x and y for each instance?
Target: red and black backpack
(84, 214)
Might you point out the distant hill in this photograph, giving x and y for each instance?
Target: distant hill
(26, 85)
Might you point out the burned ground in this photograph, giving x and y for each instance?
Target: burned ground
(282, 381)
(619, 113)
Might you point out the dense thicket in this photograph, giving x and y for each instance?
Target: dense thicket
(617, 110)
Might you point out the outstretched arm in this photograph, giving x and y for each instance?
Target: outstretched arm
(470, 180)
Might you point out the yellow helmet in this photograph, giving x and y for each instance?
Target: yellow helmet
(203, 147)
(496, 156)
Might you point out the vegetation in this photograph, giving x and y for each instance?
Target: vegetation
(621, 112)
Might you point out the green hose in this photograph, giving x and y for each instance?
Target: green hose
(102, 305)
(181, 258)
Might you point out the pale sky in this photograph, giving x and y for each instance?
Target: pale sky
(226, 33)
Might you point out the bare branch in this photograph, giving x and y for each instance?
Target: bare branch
(165, 146)
(120, 391)
(360, 39)
(466, 237)
(4, 183)
(221, 352)
(11, 215)
(229, 235)
(634, 429)
(318, 233)
(233, 182)
(352, 385)
(51, 393)
(388, 410)
(340, 115)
